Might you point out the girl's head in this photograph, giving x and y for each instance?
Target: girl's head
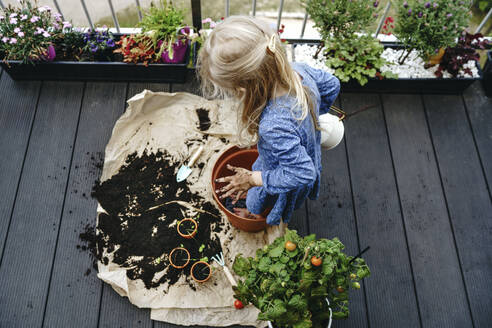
(244, 58)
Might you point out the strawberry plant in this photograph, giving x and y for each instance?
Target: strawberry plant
(289, 290)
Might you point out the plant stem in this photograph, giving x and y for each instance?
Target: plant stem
(400, 60)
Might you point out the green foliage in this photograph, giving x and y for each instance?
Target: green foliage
(356, 58)
(289, 290)
(427, 26)
(484, 5)
(28, 31)
(340, 19)
(69, 45)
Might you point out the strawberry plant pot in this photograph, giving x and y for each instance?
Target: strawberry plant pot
(201, 271)
(179, 257)
(487, 75)
(187, 228)
(402, 85)
(240, 158)
(111, 71)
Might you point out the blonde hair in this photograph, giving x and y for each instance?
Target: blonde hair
(243, 58)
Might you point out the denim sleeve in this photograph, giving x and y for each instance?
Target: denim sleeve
(295, 168)
(328, 87)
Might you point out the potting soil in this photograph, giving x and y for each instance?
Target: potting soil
(140, 203)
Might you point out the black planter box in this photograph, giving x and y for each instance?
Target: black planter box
(98, 71)
(405, 85)
(487, 75)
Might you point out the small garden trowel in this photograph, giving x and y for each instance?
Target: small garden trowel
(185, 170)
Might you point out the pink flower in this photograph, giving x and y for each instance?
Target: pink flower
(46, 34)
(207, 20)
(212, 25)
(13, 21)
(17, 30)
(13, 41)
(23, 17)
(44, 8)
(39, 30)
(57, 16)
(21, 34)
(67, 25)
(1, 17)
(5, 39)
(13, 15)
(56, 26)
(34, 19)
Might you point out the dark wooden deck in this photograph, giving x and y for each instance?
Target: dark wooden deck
(411, 179)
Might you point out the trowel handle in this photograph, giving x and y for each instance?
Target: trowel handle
(195, 156)
(229, 276)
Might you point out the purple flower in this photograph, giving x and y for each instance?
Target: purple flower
(13, 41)
(5, 39)
(17, 30)
(57, 16)
(94, 48)
(110, 43)
(39, 30)
(21, 34)
(34, 19)
(405, 4)
(46, 34)
(420, 14)
(375, 4)
(67, 25)
(23, 17)
(435, 5)
(444, 28)
(449, 15)
(186, 30)
(13, 21)
(410, 12)
(56, 26)
(427, 5)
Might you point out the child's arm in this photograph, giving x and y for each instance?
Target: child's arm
(328, 87)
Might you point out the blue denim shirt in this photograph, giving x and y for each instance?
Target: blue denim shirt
(289, 150)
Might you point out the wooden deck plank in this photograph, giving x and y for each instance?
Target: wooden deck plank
(390, 288)
(135, 88)
(478, 108)
(72, 292)
(332, 215)
(467, 198)
(439, 283)
(17, 111)
(192, 85)
(31, 243)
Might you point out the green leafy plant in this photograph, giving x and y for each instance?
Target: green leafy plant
(69, 45)
(428, 26)
(27, 33)
(290, 285)
(163, 23)
(356, 58)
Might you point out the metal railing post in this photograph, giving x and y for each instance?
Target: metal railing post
(115, 19)
(485, 19)
(196, 14)
(87, 13)
(254, 8)
(139, 9)
(227, 5)
(280, 9)
(304, 22)
(383, 17)
(58, 8)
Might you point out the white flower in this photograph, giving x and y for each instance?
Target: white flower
(5, 39)
(13, 15)
(46, 34)
(23, 17)
(34, 19)
(2, 17)
(39, 30)
(20, 34)
(13, 40)
(17, 30)
(67, 25)
(13, 21)
(44, 8)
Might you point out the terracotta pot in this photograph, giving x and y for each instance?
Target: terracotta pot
(194, 266)
(240, 158)
(176, 265)
(436, 59)
(185, 234)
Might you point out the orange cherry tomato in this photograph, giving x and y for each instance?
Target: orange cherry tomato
(238, 304)
(290, 246)
(316, 261)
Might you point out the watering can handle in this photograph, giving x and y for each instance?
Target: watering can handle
(229, 276)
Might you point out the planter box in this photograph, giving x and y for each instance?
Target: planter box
(487, 75)
(405, 85)
(98, 71)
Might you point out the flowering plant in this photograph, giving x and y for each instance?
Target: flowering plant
(27, 33)
(455, 58)
(427, 26)
(99, 44)
(389, 25)
(136, 49)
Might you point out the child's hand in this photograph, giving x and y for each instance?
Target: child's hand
(239, 183)
(244, 213)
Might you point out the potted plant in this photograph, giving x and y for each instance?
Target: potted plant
(426, 28)
(179, 257)
(187, 228)
(201, 271)
(35, 44)
(290, 280)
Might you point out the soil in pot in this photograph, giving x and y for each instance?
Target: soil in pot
(179, 258)
(241, 203)
(140, 224)
(187, 228)
(201, 271)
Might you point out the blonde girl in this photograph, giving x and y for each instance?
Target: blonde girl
(280, 104)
